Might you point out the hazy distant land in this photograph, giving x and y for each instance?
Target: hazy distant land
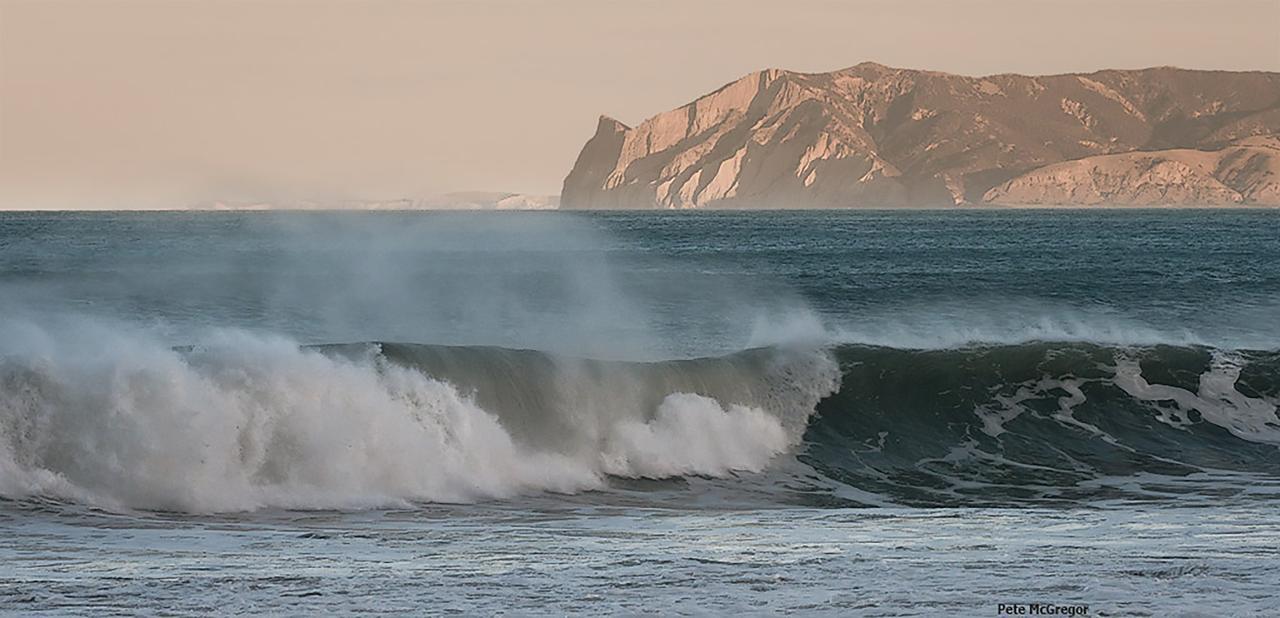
(872, 136)
(462, 200)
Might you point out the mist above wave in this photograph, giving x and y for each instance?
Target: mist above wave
(969, 322)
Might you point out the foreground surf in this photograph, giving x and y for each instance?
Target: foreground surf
(244, 422)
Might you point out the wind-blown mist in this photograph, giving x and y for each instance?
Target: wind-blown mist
(538, 281)
(212, 362)
(168, 362)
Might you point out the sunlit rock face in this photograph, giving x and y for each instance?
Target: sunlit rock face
(874, 136)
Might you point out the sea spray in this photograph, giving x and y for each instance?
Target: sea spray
(239, 421)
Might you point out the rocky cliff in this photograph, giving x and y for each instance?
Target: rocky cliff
(875, 136)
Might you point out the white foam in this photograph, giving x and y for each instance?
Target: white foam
(1216, 399)
(948, 325)
(110, 415)
(692, 434)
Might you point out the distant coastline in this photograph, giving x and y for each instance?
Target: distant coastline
(877, 136)
(873, 137)
(357, 209)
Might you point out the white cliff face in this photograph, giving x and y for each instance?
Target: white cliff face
(875, 136)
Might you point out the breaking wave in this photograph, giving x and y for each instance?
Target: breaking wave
(243, 422)
(114, 418)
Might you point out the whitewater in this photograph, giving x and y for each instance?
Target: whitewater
(880, 413)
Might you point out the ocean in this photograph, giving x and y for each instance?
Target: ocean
(880, 413)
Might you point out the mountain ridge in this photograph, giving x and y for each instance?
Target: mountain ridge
(876, 136)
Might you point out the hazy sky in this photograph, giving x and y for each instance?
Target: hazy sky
(107, 104)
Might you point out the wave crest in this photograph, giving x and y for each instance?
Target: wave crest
(115, 418)
(243, 422)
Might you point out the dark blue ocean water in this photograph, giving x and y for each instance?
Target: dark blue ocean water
(833, 413)
(665, 284)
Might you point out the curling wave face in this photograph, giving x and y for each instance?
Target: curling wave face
(111, 417)
(1051, 423)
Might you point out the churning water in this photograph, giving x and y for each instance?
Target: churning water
(882, 413)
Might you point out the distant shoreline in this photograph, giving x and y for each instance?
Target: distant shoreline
(910, 138)
(974, 208)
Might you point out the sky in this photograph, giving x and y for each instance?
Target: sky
(166, 104)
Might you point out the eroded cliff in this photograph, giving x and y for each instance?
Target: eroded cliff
(875, 136)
